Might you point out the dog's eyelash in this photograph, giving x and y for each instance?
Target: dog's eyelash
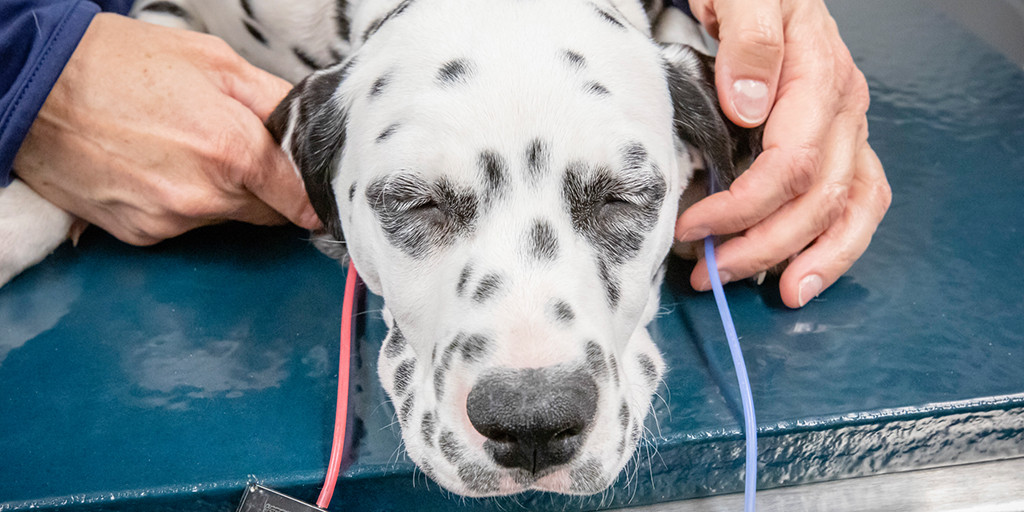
(630, 199)
(423, 203)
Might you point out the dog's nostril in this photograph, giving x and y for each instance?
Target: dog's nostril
(533, 418)
(566, 434)
(501, 437)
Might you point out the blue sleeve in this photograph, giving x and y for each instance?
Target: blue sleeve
(37, 38)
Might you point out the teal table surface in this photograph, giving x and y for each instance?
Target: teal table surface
(166, 378)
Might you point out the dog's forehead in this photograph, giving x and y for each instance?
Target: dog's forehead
(502, 75)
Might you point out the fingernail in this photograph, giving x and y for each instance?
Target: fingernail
(810, 287)
(750, 99)
(723, 276)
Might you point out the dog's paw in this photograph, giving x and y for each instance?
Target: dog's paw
(30, 229)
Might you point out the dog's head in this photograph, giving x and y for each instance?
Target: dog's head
(506, 176)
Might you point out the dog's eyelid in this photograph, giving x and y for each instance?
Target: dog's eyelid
(415, 203)
(635, 199)
(633, 189)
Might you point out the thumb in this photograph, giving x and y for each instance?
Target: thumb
(271, 177)
(258, 90)
(749, 58)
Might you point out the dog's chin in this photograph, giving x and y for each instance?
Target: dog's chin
(484, 479)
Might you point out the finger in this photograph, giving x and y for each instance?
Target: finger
(749, 58)
(254, 211)
(798, 222)
(272, 179)
(146, 225)
(258, 90)
(788, 166)
(777, 176)
(835, 251)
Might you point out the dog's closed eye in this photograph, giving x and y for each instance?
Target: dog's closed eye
(417, 215)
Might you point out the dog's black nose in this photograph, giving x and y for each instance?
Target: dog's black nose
(533, 418)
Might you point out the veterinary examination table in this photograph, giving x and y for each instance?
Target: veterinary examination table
(166, 378)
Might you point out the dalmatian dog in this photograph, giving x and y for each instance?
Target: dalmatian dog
(506, 175)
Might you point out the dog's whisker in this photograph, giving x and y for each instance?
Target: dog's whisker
(657, 421)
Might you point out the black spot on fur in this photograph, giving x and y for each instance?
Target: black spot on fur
(563, 312)
(537, 160)
(613, 211)
(376, 25)
(575, 59)
(647, 367)
(624, 416)
(336, 56)
(255, 32)
(428, 427)
(595, 360)
(453, 71)
(450, 448)
(449, 351)
(543, 244)
(460, 285)
(634, 156)
(611, 284)
(248, 9)
(613, 366)
(442, 369)
(486, 288)
(352, 192)
(406, 409)
(387, 133)
(417, 216)
(427, 469)
(306, 59)
(170, 8)
(341, 15)
(478, 478)
(596, 88)
(608, 17)
(495, 173)
(378, 85)
(403, 376)
(475, 347)
(395, 344)
(439, 374)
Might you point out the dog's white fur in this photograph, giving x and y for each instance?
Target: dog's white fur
(30, 229)
(518, 89)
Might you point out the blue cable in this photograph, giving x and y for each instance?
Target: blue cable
(749, 422)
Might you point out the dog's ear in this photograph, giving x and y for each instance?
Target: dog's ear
(310, 125)
(698, 118)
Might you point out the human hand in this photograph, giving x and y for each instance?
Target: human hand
(150, 132)
(817, 193)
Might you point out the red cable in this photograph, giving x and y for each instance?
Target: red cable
(338, 446)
